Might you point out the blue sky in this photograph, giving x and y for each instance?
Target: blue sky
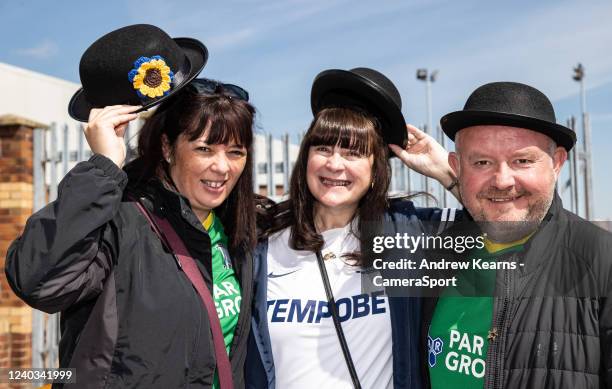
(275, 49)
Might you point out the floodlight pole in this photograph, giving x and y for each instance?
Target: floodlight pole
(586, 133)
(424, 75)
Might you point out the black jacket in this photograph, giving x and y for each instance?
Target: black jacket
(130, 316)
(552, 317)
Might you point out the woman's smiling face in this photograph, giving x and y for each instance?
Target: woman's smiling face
(338, 177)
(206, 174)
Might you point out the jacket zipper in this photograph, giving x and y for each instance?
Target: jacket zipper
(497, 337)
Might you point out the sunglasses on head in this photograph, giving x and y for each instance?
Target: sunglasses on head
(205, 86)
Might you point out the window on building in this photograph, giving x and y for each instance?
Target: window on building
(279, 190)
(279, 167)
(262, 168)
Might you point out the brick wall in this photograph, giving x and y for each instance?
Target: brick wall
(15, 207)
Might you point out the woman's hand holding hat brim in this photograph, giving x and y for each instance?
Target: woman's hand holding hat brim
(105, 130)
(425, 155)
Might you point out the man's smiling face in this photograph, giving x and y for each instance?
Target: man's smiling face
(506, 174)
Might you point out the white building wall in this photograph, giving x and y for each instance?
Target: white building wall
(35, 95)
(44, 99)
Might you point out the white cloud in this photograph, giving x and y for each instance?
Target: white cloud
(230, 39)
(43, 50)
(244, 20)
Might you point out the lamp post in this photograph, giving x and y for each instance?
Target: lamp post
(423, 75)
(579, 77)
(428, 78)
(586, 138)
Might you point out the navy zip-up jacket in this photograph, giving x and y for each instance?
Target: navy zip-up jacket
(405, 312)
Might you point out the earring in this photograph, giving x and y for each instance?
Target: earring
(372, 184)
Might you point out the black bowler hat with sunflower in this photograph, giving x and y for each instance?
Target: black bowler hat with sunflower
(135, 65)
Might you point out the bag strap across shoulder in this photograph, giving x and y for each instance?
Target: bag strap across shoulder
(331, 302)
(163, 229)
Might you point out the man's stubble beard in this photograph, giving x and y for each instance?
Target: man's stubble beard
(511, 231)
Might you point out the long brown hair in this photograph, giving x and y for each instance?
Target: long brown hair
(348, 128)
(231, 119)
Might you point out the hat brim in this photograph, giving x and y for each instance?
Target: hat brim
(197, 54)
(339, 88)
(455, 121)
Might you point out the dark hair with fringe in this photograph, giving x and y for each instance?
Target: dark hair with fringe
(348, 128)
(231, 120)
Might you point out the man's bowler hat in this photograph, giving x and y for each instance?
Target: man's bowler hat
(509, 104)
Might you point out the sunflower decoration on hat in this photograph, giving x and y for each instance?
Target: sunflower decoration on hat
(135, 65)
(151, 77)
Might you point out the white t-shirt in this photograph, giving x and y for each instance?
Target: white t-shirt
(305, 346)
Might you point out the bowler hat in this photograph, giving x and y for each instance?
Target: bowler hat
(135, 65)
(366, 89)
(509, 104)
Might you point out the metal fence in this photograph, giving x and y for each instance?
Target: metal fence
(275, 161)
(579, 182)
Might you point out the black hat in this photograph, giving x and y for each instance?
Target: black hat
(366, 89)
(509, 104)
(136, 65)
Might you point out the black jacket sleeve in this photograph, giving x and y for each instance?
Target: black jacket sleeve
(67, 248)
